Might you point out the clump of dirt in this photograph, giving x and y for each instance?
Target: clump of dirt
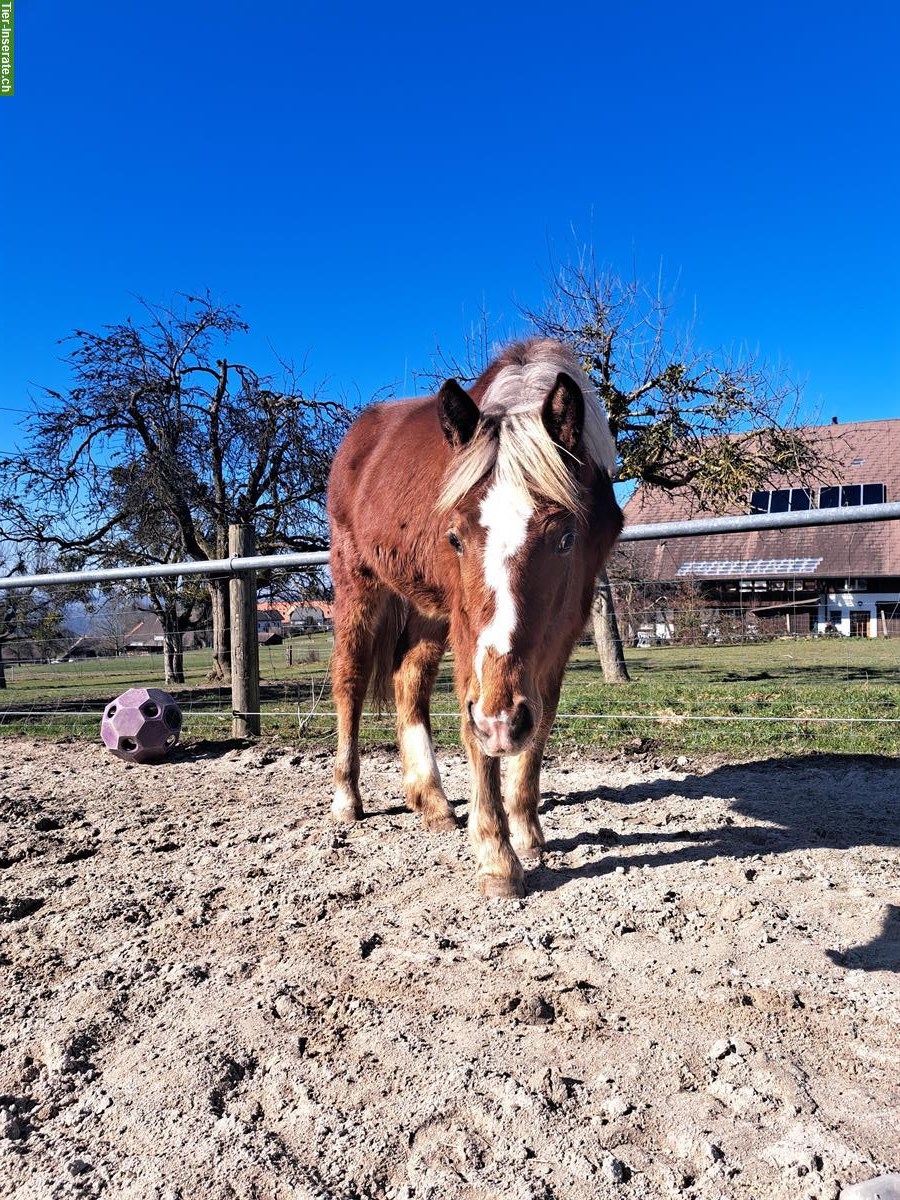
(209, 991)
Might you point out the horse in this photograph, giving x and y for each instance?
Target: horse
(481, 518)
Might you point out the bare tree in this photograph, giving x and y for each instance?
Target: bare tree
(27, 616)
(180, 605)
(161, 433)
(717, 423)
(146, 535)
(112, 617)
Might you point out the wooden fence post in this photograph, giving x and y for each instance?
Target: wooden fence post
(244, 637)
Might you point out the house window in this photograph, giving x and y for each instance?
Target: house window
(829, 497)
(781, 500)
(847, 495)
(759, 502)
(851, 494)
(801, 499)
(835, 616)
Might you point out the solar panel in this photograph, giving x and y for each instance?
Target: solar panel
(748, 566)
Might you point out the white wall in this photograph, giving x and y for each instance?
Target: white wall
(848, 602)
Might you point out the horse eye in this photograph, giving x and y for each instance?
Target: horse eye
(566, 542)
(454, 541)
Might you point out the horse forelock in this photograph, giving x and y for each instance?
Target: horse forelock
(511, 440)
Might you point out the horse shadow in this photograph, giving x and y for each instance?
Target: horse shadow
(881, 954)
(793, 804)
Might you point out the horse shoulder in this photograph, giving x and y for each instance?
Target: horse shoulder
(383, 492)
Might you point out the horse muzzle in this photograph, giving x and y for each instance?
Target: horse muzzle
(504, 734)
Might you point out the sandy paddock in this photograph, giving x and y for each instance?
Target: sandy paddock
(207, 992)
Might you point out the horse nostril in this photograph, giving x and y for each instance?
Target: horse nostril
(522, 723)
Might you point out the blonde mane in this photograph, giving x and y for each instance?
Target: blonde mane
(511, 440)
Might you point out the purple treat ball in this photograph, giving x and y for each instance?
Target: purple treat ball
(141, 725)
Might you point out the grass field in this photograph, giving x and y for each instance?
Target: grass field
(835, 695)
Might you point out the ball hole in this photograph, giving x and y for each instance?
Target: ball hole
(150, 709)
(128, 744)
(111, 711)
(172, 717)
(171, 739)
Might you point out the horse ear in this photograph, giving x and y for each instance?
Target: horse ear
(458, 413)
(563, 413)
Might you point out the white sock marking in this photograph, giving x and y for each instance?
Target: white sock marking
(419, 763)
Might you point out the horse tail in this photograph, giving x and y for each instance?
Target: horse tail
(389, 631)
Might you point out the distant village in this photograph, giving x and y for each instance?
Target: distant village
(138, 631)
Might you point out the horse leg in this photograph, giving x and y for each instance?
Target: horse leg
(355, 622)
(421, 651)
(499, 870)
(522, 793)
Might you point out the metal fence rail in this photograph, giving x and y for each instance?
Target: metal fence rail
(212, 566)
(748, 524)
(313, 558)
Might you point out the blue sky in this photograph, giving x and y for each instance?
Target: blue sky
(361, 179)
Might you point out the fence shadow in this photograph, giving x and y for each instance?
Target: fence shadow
(798, 803)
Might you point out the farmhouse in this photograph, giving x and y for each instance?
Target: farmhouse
(836, 580)
(136, 632)
(270, 618)
(312, 615)
(287, 618)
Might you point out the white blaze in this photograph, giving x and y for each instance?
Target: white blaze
(505, 513)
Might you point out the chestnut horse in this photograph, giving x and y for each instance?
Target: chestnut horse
(482, 516)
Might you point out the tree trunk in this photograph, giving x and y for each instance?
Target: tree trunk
(2, 669)
(166, 610)
(173, 655)
(220, 671)
(245, 637)
(606, 633)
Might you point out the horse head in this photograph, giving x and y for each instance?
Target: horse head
(528, 517)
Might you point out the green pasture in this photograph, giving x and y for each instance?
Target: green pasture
(692, 700)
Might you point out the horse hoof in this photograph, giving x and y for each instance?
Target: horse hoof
(495, 887)
(442, 823)
(530, 854)
(344, 816)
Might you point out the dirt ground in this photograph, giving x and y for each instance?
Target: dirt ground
(207, 991)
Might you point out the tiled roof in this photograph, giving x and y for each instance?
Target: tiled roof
(269, 613)
(323, 606)
(279, 607)
(859, 452)
(284, 608)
